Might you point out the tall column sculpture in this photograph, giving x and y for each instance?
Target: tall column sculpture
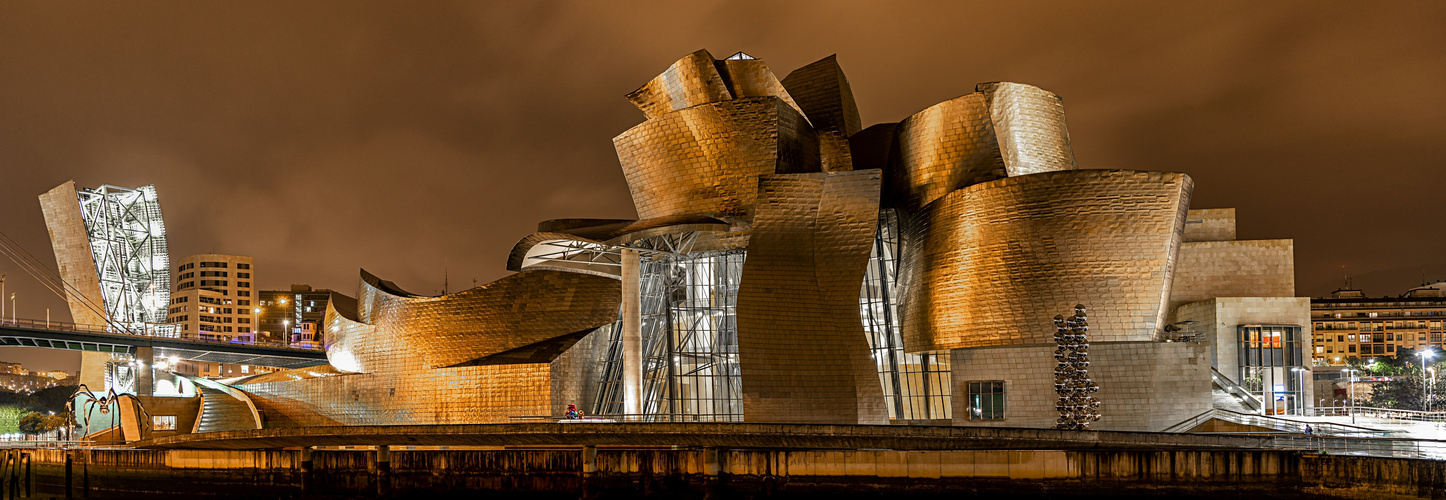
(1077, 407)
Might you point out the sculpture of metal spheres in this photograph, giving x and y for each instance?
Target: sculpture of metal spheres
(1077, 407)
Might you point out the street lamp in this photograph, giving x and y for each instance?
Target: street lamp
(1426, 356)
(1351, 397)
(255, 313)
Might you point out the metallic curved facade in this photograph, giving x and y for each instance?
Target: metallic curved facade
(1001, 130)
(706, 159)
(520, 311)
(787, 265)
(802, 350)
(823, 93)
(986, 264)
(691, 81)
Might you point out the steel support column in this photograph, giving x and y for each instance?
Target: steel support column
(632, 333)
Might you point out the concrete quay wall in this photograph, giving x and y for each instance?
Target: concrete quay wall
(708, 472)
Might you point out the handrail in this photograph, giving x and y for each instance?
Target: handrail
(1275, 423)
(1386, 413)
(1236, 390)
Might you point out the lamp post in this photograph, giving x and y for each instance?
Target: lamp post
(1351, 394)
(2, 297)
(255, 314)
(1425, 356)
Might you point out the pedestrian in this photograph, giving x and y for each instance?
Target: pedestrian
(1308, 431)
(572, 413)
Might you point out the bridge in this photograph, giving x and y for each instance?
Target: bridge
(70, 336)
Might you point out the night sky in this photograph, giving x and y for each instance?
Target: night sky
(417, 138)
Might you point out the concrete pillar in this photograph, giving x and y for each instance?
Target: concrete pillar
(632, 332)
(146, 364)
(589, 460)
(384, 470)
(590, 489)
(307, 465)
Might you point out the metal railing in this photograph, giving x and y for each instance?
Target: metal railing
(1374, 447)
(62, 326)
(1246, 398)
(639, 418)
(1386, 413)
(48, 444)
(1274, 424)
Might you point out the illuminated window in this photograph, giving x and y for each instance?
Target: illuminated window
(986, 400)
(163, 422)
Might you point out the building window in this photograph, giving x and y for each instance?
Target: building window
(243, 293)
(163, 422)
(243, 284)
(986, 400)
(243, 266)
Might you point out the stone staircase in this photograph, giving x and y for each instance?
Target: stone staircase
(224, 408)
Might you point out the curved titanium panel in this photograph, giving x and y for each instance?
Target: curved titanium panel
(1029, 124)
(991, 264)
(691, 81)
(948, 146)
(1001, 130)
(385, 379)
(802, 350)
(752, 78)
(823, 92)
(521, 310)
(706, 159)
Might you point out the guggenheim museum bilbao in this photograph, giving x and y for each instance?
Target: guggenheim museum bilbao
(789, 265)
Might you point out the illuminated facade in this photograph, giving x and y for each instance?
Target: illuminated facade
(110, 247)
(1352, 327)
(790, 265)
(128, 278)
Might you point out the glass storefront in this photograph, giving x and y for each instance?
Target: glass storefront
(1272, 366)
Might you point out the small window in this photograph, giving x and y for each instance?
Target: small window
(986, 400)
(163, 422)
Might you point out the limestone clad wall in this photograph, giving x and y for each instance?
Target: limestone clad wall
(1248, 268)
(1144, 386)
(1210, 224)
(1218, 318)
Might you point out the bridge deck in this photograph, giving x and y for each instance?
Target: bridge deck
(57, 335)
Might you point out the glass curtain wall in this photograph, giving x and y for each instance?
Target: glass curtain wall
(1272, 366)
(689, 341)
(916, 386)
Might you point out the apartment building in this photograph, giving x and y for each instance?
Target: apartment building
(1350, 326)
(213, 297)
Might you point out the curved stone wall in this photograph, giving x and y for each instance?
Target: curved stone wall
(993, 263)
